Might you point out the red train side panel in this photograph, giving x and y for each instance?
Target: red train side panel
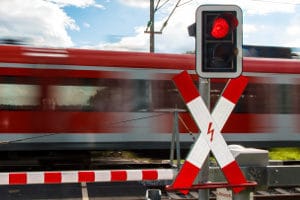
(91, 99)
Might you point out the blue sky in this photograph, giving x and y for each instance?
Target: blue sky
(120, 24)
(109, 24)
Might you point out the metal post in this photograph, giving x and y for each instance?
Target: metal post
(152, 26)
(175, 140)
(244, 195)
(204, 88)
(172, 149)
(153, 194)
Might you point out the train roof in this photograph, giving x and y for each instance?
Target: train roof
(88, 57)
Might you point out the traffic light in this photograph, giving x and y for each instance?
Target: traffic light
(219, 41)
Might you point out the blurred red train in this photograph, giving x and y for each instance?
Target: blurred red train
(76, 99)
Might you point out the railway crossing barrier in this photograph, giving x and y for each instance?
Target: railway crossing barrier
(59, 177)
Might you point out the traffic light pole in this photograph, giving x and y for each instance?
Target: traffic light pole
(204, 88)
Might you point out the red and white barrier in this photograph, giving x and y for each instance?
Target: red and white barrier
(23, 178)
(210, 126)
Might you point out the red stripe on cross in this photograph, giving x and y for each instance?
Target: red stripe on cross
(233, 168)
(235, 88)
(183, 81)
(186, 176)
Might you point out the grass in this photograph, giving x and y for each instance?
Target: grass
(288, 153)
(116, 154)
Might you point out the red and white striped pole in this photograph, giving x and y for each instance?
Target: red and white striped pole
(60, 177)
(210, 126)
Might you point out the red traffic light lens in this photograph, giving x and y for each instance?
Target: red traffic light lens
(220, 28)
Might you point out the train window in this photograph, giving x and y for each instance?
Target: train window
(165, 96)
(19, 96)
(111, 95)
(72, 96)
(267, 51)
(115, 95)
(264, 96)
(270, 99)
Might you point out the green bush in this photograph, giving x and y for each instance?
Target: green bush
(288, 153)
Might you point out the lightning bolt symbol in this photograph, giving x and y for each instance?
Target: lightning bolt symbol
(210, 131)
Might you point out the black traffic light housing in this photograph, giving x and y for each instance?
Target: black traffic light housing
(219, 41)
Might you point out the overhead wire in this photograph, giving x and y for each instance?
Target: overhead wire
(163, 4)
(158, 6)
(185, 3)
(167, 20)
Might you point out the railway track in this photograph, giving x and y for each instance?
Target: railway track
(290, 193)
(279, 194)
